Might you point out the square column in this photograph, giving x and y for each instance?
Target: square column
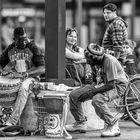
(55, 41)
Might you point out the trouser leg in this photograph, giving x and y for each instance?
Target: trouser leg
(76, 106)
(99, 102)
(20, 101)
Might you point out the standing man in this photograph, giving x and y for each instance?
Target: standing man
(116, 32)
(114, 85)
(25, 61)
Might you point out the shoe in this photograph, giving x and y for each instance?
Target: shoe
(112, 131)
(77, 127)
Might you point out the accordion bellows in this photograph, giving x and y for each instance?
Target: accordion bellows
(8, 91)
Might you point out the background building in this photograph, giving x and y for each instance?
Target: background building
(85, 15)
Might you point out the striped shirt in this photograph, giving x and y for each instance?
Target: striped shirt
(115, 35)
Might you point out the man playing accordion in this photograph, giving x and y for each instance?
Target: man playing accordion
(24, 61)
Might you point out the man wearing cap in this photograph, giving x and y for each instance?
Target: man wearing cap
(116, 32)
(24, 60)
(113, 86)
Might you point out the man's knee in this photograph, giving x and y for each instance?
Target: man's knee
(72, 95)
(97, 99)
(26, 83)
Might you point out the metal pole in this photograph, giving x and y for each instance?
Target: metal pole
(133, 3)
(78, 18)
(1, 2)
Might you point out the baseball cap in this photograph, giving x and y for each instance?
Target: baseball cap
(19, 32)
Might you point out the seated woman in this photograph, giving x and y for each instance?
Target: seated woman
(75, 60)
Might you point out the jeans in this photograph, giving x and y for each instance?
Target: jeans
(21, 100)
(99, 102)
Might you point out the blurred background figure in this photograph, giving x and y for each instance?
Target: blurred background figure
(130, 57)
(7, 32)
(137, 54)
(130, 69)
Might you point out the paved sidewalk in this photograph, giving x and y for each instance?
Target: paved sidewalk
(129, 131)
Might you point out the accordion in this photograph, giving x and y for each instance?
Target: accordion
(8, 90)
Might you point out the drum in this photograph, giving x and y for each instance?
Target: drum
(51, 109)
(8, 90)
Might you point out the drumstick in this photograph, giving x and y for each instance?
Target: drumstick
(65, 116)
(68, 135)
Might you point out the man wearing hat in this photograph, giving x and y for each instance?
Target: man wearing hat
(113, 86)
(116, 32)
(23, 60)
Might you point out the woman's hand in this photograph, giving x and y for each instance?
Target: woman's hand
(80, 61)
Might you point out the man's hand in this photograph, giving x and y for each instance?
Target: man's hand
(3, 73)
(17, 75)
(85, 96)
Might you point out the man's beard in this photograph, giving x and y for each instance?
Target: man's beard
(20, 45)
(96, 61)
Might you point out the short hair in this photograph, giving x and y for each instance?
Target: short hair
(110, 6)
(130, 43)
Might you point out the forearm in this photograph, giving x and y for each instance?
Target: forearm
(117, 49)
(36, 71)
(118, 40)
(74, 55)
(104, 88)
(89, 95)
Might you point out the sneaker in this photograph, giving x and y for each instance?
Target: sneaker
(112, 131)
(77, 127)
